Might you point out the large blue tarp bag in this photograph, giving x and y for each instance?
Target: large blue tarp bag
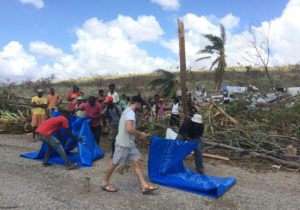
(165, 167)
(88, 149)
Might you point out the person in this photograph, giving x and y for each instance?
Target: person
(123, 102)
(125, 148)
(93, 111)
(127, 102)
(80, 113)
(191, 130)
(113, 93)
(174, 121)
(114, 111)
(44, 133)
(100, 99)
(72, 97)
(39, 104)
(161, 110)
(198, 94)
(54, 101)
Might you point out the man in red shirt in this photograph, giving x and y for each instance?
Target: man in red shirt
(72, 97)
(93, 111)
(44, 132)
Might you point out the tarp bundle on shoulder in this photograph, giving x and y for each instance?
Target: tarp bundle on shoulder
(88, 149)
(165, 167)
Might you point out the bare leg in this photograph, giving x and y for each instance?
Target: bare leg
(108, 174)
(146, 188)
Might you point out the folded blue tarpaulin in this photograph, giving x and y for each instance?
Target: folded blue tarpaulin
(165, 167)
(88, 149)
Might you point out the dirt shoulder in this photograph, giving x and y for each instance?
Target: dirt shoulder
(24, 184)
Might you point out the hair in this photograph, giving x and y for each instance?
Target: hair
(112, 86)
(65, 112)
(176, 99)
(137, 99)
(100, 90)
(128, 98)
(92, 98)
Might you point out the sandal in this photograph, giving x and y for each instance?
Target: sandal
(47, 164)
(73, 166)
(148, 189)
(108, 188)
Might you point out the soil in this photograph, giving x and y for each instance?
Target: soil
(25, 184)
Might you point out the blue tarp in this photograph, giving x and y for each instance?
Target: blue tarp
(165, 167)
(88, 149)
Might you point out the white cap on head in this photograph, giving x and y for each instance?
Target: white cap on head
(197, 118)
(39, 90)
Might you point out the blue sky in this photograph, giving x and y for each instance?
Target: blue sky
(54, 36)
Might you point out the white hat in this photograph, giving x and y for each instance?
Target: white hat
(197, 118)
(39, 90)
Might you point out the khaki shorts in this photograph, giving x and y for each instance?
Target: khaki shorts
(125, 154)
(37, 119)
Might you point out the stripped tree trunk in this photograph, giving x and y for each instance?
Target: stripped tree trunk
(182, 67)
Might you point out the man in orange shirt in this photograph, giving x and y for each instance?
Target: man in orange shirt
(54, 100)
(72, 97)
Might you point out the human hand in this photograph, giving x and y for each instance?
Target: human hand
(143, 135)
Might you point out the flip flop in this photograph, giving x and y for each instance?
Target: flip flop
(149, 189)
(73, 166)
(47, 164)
(104, 188)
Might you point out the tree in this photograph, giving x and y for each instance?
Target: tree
(182, 67)
(168, 84)
(217, 47)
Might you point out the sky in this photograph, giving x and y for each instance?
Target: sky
(85, 38)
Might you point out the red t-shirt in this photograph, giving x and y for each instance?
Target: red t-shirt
(91, 111)
(75, 101)
(51, 125)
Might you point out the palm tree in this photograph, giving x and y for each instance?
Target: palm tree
(168, 84)
(217, 47)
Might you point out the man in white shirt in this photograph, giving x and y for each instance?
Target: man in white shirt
(113, 93)
(125, 148)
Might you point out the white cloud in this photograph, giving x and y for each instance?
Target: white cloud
(44, 49)
(37, 3)
(15, 63)
(284, 38)
(167, 4)
(230, 21)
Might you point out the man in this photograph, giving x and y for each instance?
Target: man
(123, 102)
(54, 100)
(93, 111)
(125, 148)
(72, 97)
(39, 104)
(113, 93)
(100, 99)
(44, 133)
(114, 112)
(191, 130)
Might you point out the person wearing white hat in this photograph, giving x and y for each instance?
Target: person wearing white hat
(191, 130)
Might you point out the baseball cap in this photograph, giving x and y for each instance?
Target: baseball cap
(108, 99)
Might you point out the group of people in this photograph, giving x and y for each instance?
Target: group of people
(121, 117)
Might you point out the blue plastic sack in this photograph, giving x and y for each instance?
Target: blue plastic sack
(165, 167)
(88, 149)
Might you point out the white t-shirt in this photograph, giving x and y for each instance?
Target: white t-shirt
(115, 96)
(124, 138)
(175, 109)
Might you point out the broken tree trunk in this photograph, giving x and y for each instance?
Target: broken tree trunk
(182, 67)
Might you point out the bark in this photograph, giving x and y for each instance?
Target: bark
(182, 67)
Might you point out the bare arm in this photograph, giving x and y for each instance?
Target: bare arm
(72, 136)
(62, 138)
(131, 130)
